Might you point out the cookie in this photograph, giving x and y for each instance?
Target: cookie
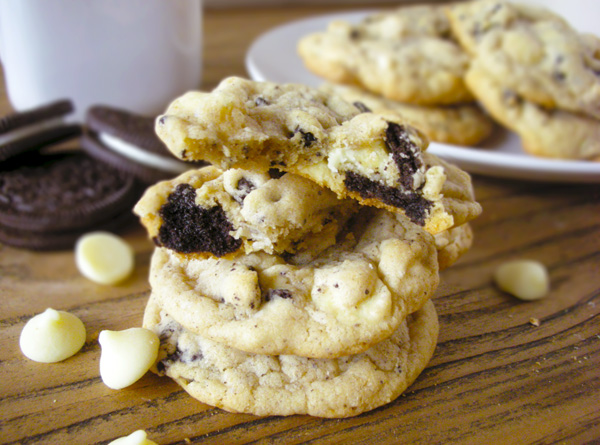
(405, 55)
(543, 132)
(127, 141)
(377, 159)
(213, 213)
(347, 298)
(284, 385)
(453, 244)
(461, 124)
(470, 22)
(52, 199)
(533, 53)
(31, 129)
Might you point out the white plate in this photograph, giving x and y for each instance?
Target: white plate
(273, 57)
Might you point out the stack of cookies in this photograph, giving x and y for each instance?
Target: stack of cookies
(294, 274)
(524, 65)
(405, 60)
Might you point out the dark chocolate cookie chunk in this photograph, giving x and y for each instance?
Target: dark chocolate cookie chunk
(29, 130)
(189, 228)
(127, 142)
(48, 200)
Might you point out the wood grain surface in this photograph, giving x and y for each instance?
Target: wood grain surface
(495, 377)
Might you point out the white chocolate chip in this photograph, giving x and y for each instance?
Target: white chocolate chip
(138, 437)
(352, 291)
(52, 336)
(104, 257)
(525, 279)
(126, 355)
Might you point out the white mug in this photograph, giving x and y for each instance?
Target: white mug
(132, 54)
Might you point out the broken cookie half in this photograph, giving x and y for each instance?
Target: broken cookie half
(211, 213)
(377, 159)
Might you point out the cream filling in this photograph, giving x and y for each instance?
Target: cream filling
(30, 130)
(135, 153)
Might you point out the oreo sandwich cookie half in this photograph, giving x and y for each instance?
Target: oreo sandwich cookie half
(52, 199)
(127, 141)
(29, 130)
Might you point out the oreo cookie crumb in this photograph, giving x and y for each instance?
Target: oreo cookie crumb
(307, 137)
(261, 101)
(169, 360)
(275, 173)
(189, 228)
(404, 153)
(362, 107)
(281, 293)
(245, 187)
(415, 206)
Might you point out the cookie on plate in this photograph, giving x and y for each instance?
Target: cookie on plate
(210, 212)
(461, 124)
(406, 55)
(285, 384)
(543, 132)
(29, 130)
(342, 301)
(378, 159)
(471, 21)
(127, 141)
(533, 53)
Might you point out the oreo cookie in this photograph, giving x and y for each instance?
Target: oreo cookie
(50, 197)
(28, 130)
(53, 198)
(127, 141)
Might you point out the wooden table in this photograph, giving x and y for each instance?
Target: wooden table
(495, 376)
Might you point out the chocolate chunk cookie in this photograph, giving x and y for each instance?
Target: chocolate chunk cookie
(532, 52)
(341, 301)
(286, 384)
(406, 54)
(378, 159)
(208, 212)
(551, 133)
(461, 124)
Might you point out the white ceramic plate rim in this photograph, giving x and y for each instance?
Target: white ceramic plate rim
(272, 56)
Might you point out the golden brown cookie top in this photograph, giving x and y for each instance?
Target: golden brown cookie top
(405, 54)
(533, 52)
(375, 158)
(341, 301)
(286, 384)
